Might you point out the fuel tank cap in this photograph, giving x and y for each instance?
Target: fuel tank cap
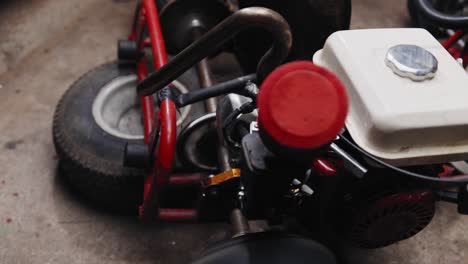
(412, 61)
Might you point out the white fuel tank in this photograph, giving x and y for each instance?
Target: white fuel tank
(408, 96)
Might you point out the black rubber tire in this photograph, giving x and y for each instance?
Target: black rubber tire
(271, 248)
(91, 159)
(418, 20)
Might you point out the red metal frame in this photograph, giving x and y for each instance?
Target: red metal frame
(455, 51)
(452, 39)
(158, 178)
(156, 181)
(146, 16)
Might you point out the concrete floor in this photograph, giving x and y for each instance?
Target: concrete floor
(45, 46)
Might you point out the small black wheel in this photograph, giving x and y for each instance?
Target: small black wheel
(419, 21)
(93, 121)
(271, 248)
(452, 7)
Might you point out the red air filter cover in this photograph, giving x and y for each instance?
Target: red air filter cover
(302, 105)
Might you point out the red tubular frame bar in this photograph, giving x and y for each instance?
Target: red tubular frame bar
(452, 39)
(455, 51)
(156, 180)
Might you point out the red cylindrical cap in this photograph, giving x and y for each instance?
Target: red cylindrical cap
(302, 105)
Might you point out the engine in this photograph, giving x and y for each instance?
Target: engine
(407, 108)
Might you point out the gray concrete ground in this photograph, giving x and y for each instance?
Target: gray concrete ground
(47, 44)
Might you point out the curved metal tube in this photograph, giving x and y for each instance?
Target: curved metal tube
(210, 42)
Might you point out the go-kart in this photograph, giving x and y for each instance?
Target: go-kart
(330, 136)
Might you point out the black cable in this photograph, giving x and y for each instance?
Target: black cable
(444, 20)
(229, 121)
(237, 85)
(456, 180)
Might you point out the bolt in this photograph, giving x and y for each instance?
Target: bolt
(306, 190)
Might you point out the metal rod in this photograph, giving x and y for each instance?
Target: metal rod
(223, 155)
(204, 74)
(156, 182)
(206, 81)
(147, 105)
(239, 223)
(460, 41)
(241, 20)
(186, 179)
(177, 215)
(136, 20)
(156, 36)
(163, 165)
(350, 163)
(455, 37)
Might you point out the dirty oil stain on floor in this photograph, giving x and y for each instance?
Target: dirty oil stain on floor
(11, 145)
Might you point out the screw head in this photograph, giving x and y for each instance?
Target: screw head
(411, 61)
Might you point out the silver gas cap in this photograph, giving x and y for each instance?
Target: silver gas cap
(412, 62)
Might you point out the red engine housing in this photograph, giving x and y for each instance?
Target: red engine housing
(385, 218)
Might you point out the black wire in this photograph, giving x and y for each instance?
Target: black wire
(237, 85)
(229, 121)
(444, 20)
(456, 180)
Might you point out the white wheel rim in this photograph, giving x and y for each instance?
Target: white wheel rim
(117, 110)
